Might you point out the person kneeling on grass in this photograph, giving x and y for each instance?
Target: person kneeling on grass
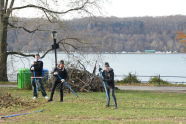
(37, 70)
(108, 78)
(60, 75)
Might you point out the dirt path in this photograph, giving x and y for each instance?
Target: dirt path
(153, 88)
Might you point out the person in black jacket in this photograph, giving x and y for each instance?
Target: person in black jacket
(60, 74)
(37, 70)
(108, 77)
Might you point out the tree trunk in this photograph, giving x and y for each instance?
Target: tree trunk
(3, 44)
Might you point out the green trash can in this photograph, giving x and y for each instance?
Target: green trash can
(24, 78)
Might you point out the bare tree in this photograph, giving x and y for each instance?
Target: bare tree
(7, 7)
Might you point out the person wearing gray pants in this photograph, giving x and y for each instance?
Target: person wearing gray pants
(108, 78)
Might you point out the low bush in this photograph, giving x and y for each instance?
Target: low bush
(157, 80)
(131, 78)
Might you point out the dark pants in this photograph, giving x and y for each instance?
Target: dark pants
(39, 82)
(111, 89)
(57, 83)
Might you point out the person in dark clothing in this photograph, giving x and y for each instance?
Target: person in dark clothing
(37, 70)
(60, 74)
(108, 77)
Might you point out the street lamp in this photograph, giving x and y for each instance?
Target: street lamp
(55, 46)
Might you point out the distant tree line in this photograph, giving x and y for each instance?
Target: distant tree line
(105, 34)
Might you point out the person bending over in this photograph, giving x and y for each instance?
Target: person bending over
(60, 74)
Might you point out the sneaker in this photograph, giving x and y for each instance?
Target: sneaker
(34, 98)
(46, 97)
(50, 100)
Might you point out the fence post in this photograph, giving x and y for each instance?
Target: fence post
(159, 79)
(130, 78)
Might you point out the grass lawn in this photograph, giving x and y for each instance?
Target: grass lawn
(8, 83)
(133, 107)
(149, 84)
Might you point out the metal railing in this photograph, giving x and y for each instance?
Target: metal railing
(13, 78)
(166, 78)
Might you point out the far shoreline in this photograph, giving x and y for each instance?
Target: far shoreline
(62, 52)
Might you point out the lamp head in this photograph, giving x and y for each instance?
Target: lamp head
(54, 34)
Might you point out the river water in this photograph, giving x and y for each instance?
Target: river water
(139, 64)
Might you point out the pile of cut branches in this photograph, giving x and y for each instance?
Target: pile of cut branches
(84, 81)
(81, 80)
(7, 100)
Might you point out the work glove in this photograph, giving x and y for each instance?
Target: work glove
(106, 80)
(62, 80)
(55, 73)
(100, 69)
(34, 62)
(32, 68)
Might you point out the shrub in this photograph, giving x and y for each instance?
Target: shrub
(157, 80)
(131, 78)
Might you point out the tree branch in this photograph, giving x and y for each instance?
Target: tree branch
(46, 53)
(47, 17)
(70, 45)
(6, 5)
(74, 39)
(9, 10)
(82, 65)
(21, 54)
(51, 11)
(11, 4)
(28, 55)
(49, 50)
(25, 29)
(65, 48)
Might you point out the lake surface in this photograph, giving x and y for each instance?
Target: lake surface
(139, 64)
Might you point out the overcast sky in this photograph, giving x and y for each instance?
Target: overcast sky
(129, 8)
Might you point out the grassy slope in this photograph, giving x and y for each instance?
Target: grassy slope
(134, 107)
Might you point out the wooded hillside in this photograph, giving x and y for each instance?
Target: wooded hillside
(104, 34)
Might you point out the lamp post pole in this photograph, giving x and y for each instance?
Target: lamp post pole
(55, 52)
(55, 46)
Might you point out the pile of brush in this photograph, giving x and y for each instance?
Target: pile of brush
(81, 81)
(84, 81)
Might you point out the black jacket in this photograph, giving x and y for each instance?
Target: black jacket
(62, 73)
(38, 68)
(109, 77)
